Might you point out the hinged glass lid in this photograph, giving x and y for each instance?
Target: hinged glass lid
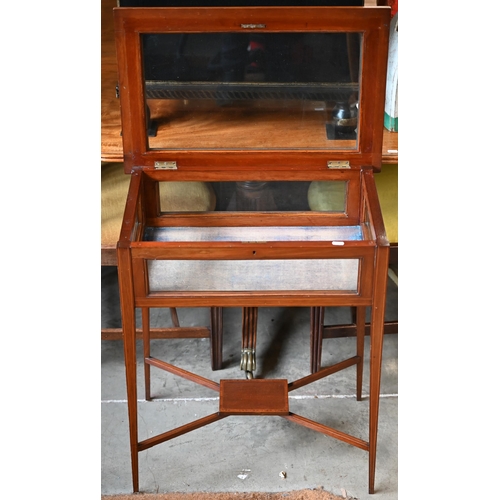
(221, 86)
(252, 89)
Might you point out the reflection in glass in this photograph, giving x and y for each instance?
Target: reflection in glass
(326, 196)
(248, 90)
(253, 196)
(187, 197)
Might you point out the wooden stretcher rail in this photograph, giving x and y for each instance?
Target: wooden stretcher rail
(329, 332)
(159, 333)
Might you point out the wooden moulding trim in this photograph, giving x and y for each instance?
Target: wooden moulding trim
(252, 299)
(130, 216)
(250, 219)
(251, 251)
(387, 158)
(202, 19)
(289, 172)
(286, 161)
(108, 254)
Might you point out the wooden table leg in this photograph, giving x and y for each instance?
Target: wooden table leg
(254, 196)
(216, 337)
(146, 343)
(128, 324)
(360, 320)
(316, 344)
(175, 318)
(249, 340)
(376, 344)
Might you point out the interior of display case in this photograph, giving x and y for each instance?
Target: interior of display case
(254, 236)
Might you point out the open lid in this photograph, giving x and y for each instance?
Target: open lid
(252, 87)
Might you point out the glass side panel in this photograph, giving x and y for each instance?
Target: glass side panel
(285, 196)
(252, 91)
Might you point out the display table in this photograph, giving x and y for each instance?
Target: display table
(288, 148)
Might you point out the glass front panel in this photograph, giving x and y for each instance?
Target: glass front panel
(271, 196)
(252, 90)
(250, 275)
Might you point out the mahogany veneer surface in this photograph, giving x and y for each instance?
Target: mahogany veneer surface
(254, 397)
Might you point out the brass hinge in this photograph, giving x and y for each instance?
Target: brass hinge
(338, 164)
(165, 165)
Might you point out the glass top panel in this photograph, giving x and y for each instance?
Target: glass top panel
(252, 91)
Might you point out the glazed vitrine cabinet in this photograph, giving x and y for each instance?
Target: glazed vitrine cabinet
(251, 136)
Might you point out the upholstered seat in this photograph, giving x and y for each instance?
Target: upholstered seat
(114, 188)
(387, 188)
(329, 196)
